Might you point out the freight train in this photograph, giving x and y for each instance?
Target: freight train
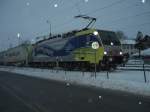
(72, 50)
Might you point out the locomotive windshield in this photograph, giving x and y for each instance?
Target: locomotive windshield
(109, 37)
(88, 39)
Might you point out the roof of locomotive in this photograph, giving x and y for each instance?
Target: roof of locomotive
(67, 35)
(72, 33)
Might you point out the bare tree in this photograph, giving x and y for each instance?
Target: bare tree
(139, 36)
(121, 35)
(139, 44)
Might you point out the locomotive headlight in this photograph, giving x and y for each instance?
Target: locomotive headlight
(105, 52)
(121, 53)
(95, 33)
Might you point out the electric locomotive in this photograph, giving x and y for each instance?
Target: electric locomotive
(74, 49)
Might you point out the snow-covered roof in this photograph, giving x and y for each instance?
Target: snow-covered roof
(143, 53)
(127, 41)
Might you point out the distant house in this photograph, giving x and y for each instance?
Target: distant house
(128, 46)
(147, 41)
(145, 52)
(145, 55)
(143, 42)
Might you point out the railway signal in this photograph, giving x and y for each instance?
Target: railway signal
(95, 46)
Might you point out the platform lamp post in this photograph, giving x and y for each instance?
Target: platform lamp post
(50, 27)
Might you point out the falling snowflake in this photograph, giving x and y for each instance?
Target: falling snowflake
(68, 84)
(65, 78)
(27, 3)
(100, 97)
(140, 102)
(143, 1)
(55, 5)
(86, 0)
(90, 100)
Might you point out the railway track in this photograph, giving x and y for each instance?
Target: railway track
(133, 67)
(126, 67)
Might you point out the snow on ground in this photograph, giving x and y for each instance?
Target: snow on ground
(129, 81)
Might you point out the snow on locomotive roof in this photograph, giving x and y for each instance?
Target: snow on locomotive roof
(68, 34)
(56, 36)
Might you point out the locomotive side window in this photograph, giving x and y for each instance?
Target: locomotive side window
(71, 44)
(88, 41)
(69, 47)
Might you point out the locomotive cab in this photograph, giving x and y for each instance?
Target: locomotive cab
(112, 48)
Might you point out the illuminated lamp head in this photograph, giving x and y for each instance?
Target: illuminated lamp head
(95, 33)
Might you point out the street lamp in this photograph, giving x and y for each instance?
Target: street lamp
(10, 44)
(18, 36)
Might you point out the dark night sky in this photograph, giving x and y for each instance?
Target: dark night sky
(28, 17)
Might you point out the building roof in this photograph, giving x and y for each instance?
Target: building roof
(145, 52)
